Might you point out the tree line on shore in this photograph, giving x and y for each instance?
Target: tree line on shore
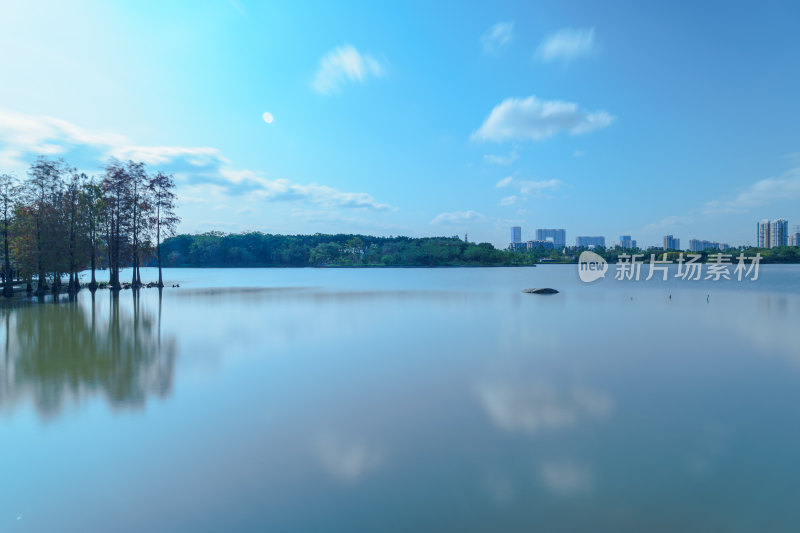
(255, 249)
(58, 221)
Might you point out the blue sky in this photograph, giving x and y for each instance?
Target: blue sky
(420, 119)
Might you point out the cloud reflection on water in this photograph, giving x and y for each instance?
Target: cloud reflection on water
(345, 458)
(536, 406)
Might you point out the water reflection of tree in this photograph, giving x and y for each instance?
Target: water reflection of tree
(56, 352)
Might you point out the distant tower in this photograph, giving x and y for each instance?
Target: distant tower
(516, 234)
(466, 238)
(762, 234)
(778, 233)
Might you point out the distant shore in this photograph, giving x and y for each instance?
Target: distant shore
(263, 250)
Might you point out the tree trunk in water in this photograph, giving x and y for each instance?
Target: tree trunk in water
(8, 285)
(115, 280)
(93, 283)
(158, 252)
(133, 277)
(41, 286)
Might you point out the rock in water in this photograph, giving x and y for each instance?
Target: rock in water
(545, 290)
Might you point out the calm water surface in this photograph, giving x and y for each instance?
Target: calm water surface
(404, 400)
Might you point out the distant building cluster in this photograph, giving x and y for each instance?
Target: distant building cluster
(590, 242)
(558, 236)
(548, 239)
(697, 245)
(626, 242)
(671, 243)
(774, 233)
(771, 234)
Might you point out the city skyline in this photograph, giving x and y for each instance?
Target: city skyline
(593, 119)
(769, 234)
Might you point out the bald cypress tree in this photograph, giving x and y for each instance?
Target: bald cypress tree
(8, 190)
(164, 219)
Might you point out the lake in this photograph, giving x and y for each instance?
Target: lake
(404, 400)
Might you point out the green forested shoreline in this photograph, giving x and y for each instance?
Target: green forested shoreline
(255, 249)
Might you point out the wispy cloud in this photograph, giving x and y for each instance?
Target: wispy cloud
(509, 200)
(198, 170)
(531, 188)
(504, 160)
(457, 217)
(497, 37)
(159, 155)
(566, 44)
(533, 119)
(784, 187)
(344, 64)
(666, 223)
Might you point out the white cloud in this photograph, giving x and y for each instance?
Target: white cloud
(566, 44)
(504, 160)
(505, 182)
(784, 187)
(497, 37)
(159, 155)
(457, 217)
(509, 200)
(532, 188)
(283, 189)
(198, 170)
(345, 64)
(665, 223)
(535, 187)
(534, 119)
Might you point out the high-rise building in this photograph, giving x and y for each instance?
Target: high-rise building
(590, 242)
(778, 233)
(794, 237)
(762, 235)
(671, 243)
(626, 243)
(697, 245)
(516, 234)
(558, 236)
(772, 233)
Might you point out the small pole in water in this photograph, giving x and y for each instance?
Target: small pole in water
(670, 297)
(707, 297)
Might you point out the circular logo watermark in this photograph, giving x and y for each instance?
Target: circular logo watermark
(591, 267)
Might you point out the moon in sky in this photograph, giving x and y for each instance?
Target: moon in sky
(268, 118)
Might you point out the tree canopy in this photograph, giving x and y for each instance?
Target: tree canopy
(59, 221)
